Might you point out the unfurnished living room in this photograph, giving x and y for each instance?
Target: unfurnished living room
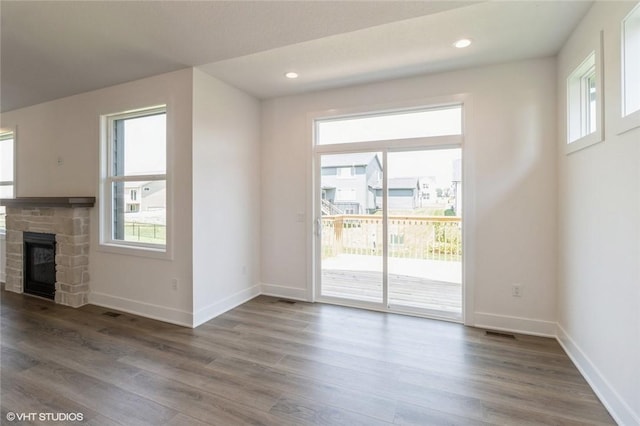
(320, 212)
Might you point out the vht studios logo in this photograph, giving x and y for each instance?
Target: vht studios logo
(45, 417)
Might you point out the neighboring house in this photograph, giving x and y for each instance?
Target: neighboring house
(144, 196)
(404, 193)
(349, 182)
(428, 193)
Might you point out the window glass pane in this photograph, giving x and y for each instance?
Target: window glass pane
(6, 157)
(400, 125)
(631, 43)
(140, 211)
(591, 100)
(6, 191)
(581, 100)
(140, 145)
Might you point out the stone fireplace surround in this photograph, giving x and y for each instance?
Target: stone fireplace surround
(68, 219)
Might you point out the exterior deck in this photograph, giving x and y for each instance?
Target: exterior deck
(433, 286)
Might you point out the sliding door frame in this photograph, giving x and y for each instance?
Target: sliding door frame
(383, 146)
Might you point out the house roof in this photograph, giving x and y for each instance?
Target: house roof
(403, 183)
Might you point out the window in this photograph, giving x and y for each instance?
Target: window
(631, 62)
(584, 100)
(136, 158)
(441, 121)
(581, 99)
(7, 162)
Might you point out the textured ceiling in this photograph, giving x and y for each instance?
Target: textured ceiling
(501, 32)
(53, 49)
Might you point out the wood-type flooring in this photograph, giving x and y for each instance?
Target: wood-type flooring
(276, 362)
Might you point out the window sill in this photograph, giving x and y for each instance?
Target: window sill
(132, 250)
(629, 122)
(584, 142)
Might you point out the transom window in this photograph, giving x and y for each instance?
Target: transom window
(135, 183)
(439, 121)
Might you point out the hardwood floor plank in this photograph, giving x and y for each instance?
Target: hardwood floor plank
(109, 400)
(419, 416)
(260, 396)
(359, 401)
(21, 394)
(309, 412)
(277, 362)
(184, 420)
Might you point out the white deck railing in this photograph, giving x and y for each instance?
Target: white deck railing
(423, 237)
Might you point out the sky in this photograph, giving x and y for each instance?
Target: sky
(145, 150)
(6, 160)
(437, 163)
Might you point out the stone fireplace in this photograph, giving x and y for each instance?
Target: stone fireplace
(67, 218)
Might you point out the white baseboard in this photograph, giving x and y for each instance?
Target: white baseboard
(515, 324)
(293, 293)
(148, 310)
(617, 407)
(209, 312)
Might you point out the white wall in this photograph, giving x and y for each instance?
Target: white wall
(510, 161)
(599, 233)
(226, 197)
(68, 128)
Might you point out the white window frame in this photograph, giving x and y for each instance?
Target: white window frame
(579, 132)
(384, 146)
(631, 119)
(4, 136)
(107, 242)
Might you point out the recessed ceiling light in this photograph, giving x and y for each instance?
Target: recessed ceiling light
(291, 75)
(462, 43)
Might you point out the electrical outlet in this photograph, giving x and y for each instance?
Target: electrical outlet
(516, 290)
(174, 284)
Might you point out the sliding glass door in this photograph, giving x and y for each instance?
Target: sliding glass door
(351, 226)
(424, 226)
(388, 203)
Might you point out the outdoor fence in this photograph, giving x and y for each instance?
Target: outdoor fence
(145, 232)
(426, 237)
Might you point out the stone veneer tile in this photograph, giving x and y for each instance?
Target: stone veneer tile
(71, 227)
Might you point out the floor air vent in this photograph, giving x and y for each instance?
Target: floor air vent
(111, 314)
(499, 334)
(289, 302)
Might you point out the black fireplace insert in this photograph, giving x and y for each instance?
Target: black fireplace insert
(40, 264)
